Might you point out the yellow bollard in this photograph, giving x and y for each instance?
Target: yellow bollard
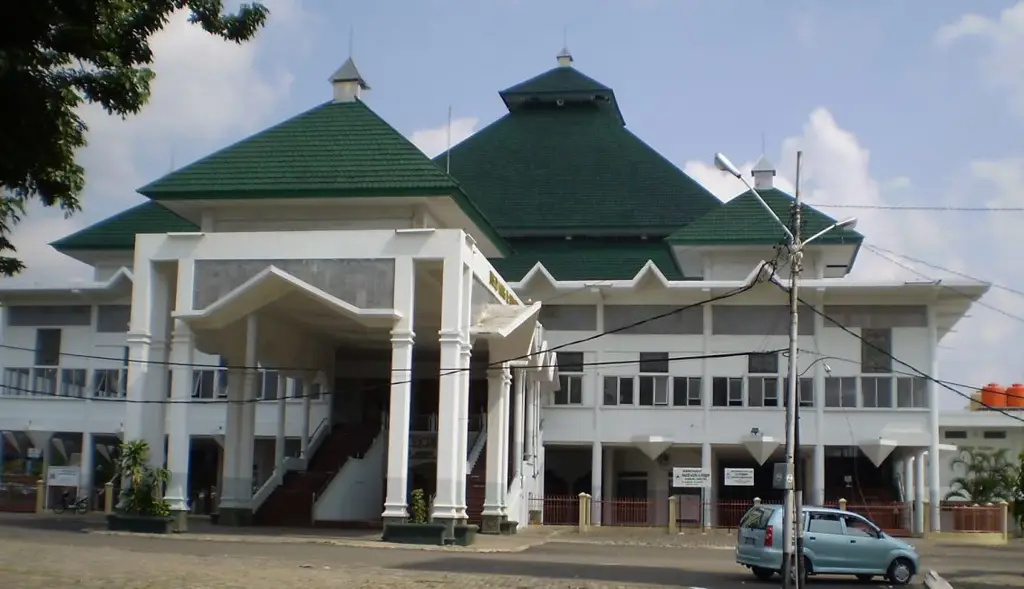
(1006, 520)
(757, 502)
(584, 514)
(108, 498)
(673, 514)
(40, 496)
(842, 504)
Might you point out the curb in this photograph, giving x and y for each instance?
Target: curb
(319, 541)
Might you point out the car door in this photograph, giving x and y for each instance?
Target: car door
(866, 550)
(824, 541)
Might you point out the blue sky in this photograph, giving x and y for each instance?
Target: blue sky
(893, 103)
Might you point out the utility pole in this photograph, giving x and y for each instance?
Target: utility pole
(791, 562)
(794, 301)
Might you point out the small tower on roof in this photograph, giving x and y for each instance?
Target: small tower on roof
(565, 58)
(764, 174)
(348, 83)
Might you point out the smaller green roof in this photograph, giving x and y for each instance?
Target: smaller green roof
(743, 221)
(118, 232)
(563, 83)
(584, 259)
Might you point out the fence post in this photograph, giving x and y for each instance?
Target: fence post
(757, 502)
(842, 504)
(584, 507)
(673, 514)
(108, 498)
(40, 496)
(1004, 512)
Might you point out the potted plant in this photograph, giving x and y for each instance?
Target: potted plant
(417, 530)
(142, 508)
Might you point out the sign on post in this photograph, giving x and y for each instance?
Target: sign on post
(739, 477)
(690, 478)
(62, 476)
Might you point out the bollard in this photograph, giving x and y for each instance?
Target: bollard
(108, 498)
(40, 496)
(673, 514)
(1005, 514)
(842, 504)
(933, 581)
(584, 507)
(757, 502)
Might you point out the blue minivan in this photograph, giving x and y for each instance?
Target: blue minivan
(835, 543)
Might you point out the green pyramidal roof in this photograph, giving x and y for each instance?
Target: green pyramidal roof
(118, 232)
(744, 221)
(335, 149)
(561, 85)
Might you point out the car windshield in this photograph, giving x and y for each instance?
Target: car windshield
(756, 518)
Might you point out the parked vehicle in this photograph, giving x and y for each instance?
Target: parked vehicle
(79, 505)
(836, 542)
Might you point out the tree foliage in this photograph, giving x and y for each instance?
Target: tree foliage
(141, 484)
(58, 54)
(983, 476)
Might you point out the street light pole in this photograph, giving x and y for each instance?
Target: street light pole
(792, 538)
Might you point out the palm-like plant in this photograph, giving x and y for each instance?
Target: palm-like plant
(142, 485)
(987, 476)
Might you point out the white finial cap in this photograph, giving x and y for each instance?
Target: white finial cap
(764, 174)
(348, 83)
(565, 58)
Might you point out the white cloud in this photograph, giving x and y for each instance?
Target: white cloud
(435, 141)
(1003, 40)
(837, 170)
(206, 90)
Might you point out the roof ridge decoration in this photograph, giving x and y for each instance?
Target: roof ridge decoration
(650, 277)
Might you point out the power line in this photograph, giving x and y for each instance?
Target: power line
(919, 208)
(944, 269)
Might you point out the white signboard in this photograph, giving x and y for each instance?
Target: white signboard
(739, 477)
(690, 478)
(62, 476)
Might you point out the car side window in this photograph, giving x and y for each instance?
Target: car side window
(858, 527)
(825, 523)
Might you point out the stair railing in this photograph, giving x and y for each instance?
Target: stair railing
(316, 439)
(477, 449)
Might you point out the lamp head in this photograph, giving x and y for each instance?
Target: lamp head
(723, 164)
(828, 369)
(850, 223)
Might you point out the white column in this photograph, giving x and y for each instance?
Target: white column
(819, 473)
(934, 468)
(450, 496)
(497, 413)
(596, 479)
(531, 423)
(908, 490)
(465, 360)
(400, 404)
(178, 437)
(305, 389)
(706, 464)
(233, 431)
(86, 468)
(920, 486)
(282, 415)
(147, 357)
(517, 430)
(248, 441)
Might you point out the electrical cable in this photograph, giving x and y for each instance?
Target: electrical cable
(995, 285)
(919, 208)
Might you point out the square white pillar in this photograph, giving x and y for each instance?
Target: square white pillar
(530, 426)
(498, 381)
(282, 415)
(934, 466)
(305, 388)
(706, 494)
(248, 442)
(465, 360)
(518, 427)
(86, 485)
(400, 403)
(596, 480)
(231, 497)
(818, 468)
(920, 486)
(178, 437)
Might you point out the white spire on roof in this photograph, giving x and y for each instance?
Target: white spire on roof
(565, 58)
(764, 174)
(348, 82)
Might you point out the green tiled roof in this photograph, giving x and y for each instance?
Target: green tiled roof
(743, 221)
(557, 81)
(551, 170)
(118, 232)
(586, 259)
(335, 149)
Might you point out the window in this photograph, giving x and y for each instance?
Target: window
(618, 390)
(994, 434)
(763, 363)
(72, 382)
(858, 527)
(210, 383)
(113, 318)
(955, 434)
(876, 391)
(825, 523)
(841, 391)
(653, 378)
(17, 382)
(267, 385)
(112, 383)
(762, 391)
(876, 351)
(47, 347)
(805, 388)
(726, 392)
(687, 392)
(912, 392)
(570, 378)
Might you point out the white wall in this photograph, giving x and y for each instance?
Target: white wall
(355, 493)
(976, 424)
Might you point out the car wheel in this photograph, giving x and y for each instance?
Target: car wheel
(865, 578)
(762, 574)
(900, 572)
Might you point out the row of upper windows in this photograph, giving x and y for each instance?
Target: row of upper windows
(108, 318)
(961, 434)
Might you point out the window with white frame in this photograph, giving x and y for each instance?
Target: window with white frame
(876, 391)
(653, 379)
(762, 391)
(45, 364)
(570, 378)
(111, 383)
(618, 390)
(841, 391)
(726, 392)
(805, 388)
(687, 391)
(912, 392)
(210, 382)
(266, 385)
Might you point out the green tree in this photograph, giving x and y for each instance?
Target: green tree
(1018, 493)
(58, 54)
(141, 484)
(983, 476)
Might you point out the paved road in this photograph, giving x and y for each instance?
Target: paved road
(55, 553)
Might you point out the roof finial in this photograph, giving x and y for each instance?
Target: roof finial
(351, 41)
(348, 82)
(764, 174)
